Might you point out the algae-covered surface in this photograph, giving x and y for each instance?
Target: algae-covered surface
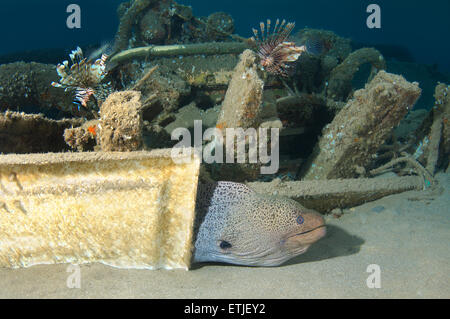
(406, 236)
(356, 134)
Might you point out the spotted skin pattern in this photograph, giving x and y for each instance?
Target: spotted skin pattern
(236, 225)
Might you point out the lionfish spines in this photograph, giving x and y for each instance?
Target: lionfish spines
(82, 96)
(273, 49)
(76, 56)
(81, 76)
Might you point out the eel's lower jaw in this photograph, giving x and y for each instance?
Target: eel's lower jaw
(306, 238)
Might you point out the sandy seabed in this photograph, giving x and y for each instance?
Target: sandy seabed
(407, 235)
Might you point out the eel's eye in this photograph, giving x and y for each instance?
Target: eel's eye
(224, 244)
(300, 220)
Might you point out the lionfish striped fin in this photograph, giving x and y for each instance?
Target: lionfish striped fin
(286, 31)
(256, 37)
(276, 26)
(261, 26)
(274, 51)
(82, 96)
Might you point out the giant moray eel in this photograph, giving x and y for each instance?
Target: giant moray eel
(236, 225)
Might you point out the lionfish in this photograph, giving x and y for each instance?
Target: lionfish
(82, 76)
(274, 50)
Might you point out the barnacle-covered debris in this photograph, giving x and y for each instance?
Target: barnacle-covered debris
(340, 82)
(438, 150)
(219, 25)
(120, 127)
(128, 210)
(24, 85)
(209, 48)
(145, 78)
(82, 138)
(324, 196)
(196, 78)
(82, 77)
(152, 27)
(274, 51)
(32, 133)
(323, 42)
(129, 12)
(325, 50)
(241, 108)
(432, 138)
(186, 116)
(155, 136)
(299, 110)
(349, 142)
(121, 124)
(148, 22)
(443, 103)
(435, 141)
(242, 104)
(161, 94)
(412, 166)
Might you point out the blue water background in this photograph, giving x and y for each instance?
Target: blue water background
(418, 26)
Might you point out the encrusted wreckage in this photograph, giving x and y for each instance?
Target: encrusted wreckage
(351, 140)
(169, 68)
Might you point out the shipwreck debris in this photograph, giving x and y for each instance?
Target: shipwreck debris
(340, 82)
(431, 140)
(353, 137)
(29, 84)
(415, 165)
(438, 150)
(25, 133)
(209, 48)
(82, 138)
(324, 196)
(241, 108)
(242, 104)
(128, 210)
(129, 12)
(121, 125)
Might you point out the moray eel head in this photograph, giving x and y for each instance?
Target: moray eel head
(239, 226)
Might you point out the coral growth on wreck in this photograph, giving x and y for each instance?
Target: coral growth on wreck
(177, 68)
(146, 22)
